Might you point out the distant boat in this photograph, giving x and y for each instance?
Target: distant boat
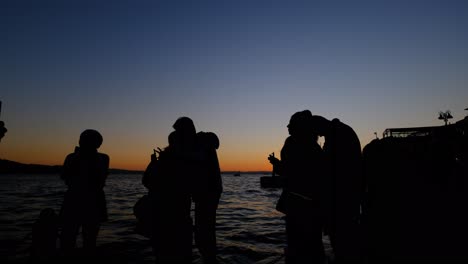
(237, 174)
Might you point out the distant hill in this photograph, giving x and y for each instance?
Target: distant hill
(246, 172)
(13, 167)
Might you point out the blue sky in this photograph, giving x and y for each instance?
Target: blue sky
(238, 68)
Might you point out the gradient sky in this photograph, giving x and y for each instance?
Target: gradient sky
(238, 68)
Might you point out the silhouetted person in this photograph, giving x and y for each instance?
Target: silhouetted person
(84, 172)
(206, 194)
(3, 130)
(343, 152)
(187, 135)
(168, 180)
(303, 194)
(44, 236)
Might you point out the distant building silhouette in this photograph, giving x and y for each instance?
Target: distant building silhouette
(417, 194)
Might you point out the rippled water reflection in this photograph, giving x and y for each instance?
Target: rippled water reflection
(249, 229)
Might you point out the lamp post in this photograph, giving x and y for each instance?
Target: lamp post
(445, 116)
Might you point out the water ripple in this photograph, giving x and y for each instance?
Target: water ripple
(249, 229)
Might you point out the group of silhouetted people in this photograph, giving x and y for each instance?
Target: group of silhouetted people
(321, 190)
(374, 207)
(186, 171)
(402, 201)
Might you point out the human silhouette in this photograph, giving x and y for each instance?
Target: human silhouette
(44, 236)
(206, 194)
(187, 135)
(84, 205)
(344, 164)
(3, 130)
(303, 196)
(169, 180)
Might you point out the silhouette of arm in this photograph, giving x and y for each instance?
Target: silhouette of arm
(67, 169)
(105, 162)
(147, 174)
(277, 165)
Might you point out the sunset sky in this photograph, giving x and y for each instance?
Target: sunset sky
(238, 68)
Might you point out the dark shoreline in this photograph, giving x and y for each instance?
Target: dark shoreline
(13, 167)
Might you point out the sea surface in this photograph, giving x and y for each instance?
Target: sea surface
(249, 228)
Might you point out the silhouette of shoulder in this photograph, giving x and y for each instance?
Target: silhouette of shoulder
(104, 158)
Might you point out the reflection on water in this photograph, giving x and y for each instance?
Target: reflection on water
(249, 229)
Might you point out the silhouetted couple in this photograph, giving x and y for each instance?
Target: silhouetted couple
(186, 170)
(321, 190)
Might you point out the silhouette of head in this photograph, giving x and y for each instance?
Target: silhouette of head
(184, 125)
(208, 139)
(90, 139)
(172, 138)
(3, 130)
(175, 141)
(300, 124)
(320, 125)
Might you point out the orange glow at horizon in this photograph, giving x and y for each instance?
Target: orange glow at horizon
(135, 155)
(129, 156)
(140, 162)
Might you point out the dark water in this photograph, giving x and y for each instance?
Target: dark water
(249, 229)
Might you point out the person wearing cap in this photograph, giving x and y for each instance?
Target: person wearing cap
(302, 199)
(84, 205)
